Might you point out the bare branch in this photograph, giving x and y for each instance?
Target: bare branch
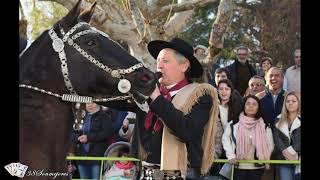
(177, 22)
(66, 3)
(219, 29)
(142, 6)
(114, 11)
(137, 18)
(184, 6)
(21, 11)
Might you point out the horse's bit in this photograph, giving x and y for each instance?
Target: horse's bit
(124, 85)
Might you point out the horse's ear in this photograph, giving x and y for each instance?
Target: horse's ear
(73, 14)
(87, 14)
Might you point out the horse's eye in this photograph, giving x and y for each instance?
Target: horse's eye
(91, 43)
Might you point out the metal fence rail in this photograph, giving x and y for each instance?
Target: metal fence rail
(102, 159)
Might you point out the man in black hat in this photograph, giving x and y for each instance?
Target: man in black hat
(175, 138)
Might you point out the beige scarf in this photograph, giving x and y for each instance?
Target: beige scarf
(174, 152)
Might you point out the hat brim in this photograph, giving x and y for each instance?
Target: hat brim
(156, 46)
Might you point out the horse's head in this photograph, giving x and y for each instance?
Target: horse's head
(95, 63)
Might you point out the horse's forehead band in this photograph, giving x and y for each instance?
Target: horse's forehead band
(74, 28)
(59, 44)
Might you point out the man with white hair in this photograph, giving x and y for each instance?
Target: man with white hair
(175, 138)
(272, 98)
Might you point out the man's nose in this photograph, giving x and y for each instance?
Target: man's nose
(159, 65)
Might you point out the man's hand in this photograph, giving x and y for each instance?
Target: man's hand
(233, 161)
(128, 173)
(267, 166)
(288, 155)
(83, 138)
(155, 93)
(71, 168)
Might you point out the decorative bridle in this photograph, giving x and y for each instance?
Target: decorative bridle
(58, 45)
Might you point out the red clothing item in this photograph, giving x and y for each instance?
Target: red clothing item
(127, 165)
(166, 93)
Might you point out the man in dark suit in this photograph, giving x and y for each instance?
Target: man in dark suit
(241, 71)
(180, 125)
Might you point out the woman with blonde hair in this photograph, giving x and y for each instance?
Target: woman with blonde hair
(287, 136)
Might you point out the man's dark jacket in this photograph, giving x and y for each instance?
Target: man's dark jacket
(234, 76)
(100, 130)
(270, 111)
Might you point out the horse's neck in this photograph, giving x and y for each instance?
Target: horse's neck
(44, 130)
(41, 67)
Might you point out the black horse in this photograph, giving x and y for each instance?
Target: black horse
(75, 58)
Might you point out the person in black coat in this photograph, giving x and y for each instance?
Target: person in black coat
(241, 71)
(287, 136)
(272, 98)
(92, 140)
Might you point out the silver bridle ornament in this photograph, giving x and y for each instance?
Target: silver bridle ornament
(58, 45)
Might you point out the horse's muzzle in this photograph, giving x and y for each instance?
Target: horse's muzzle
(147, 79)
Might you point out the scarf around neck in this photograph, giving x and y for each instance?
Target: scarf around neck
(255, 127)
(127, 165)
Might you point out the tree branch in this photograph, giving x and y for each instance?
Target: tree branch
(66, 3)
(142, 4)
(176, 23)
(219, 29)
(137, 18)
(184, 6)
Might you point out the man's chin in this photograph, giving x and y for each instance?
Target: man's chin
(162, 81)
(274, 88)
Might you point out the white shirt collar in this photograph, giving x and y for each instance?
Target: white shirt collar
(172, 93)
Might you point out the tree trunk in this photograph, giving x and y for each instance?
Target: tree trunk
(23, 24)
(218, 31)
(138, 22)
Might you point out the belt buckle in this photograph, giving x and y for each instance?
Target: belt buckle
(157, 174)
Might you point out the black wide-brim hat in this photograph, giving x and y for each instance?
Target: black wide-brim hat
(182, 47)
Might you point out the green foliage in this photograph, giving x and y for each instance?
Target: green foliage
(44, 18)
(268, 28)
(200, 26)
